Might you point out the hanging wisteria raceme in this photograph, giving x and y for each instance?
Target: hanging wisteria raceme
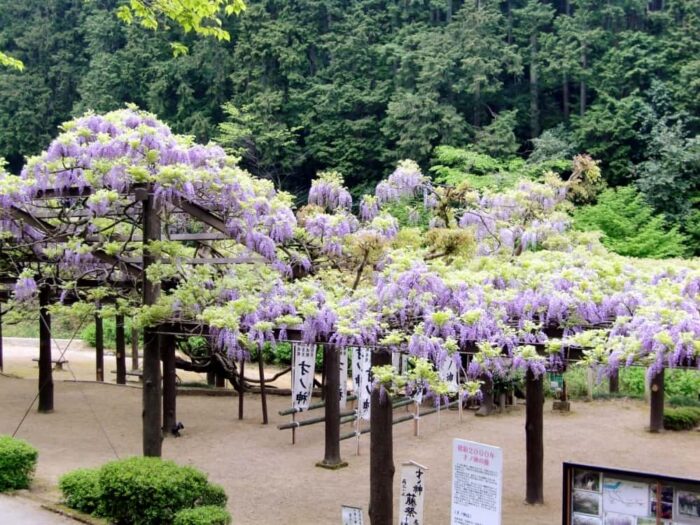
(327, 191)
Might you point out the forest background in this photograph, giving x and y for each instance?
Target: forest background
(482, 91)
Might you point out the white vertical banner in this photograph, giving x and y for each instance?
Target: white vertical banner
(365, 397)
(362, 380)
(343, 386)
(477, 483)
(448, 373)
(304, 356)
(412, 494)
(352, 515)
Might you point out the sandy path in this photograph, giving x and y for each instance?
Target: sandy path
(269, 481)
(16, 510)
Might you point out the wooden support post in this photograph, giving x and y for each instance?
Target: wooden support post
(241, 389)
(211, 375)
(323, 375)
(120, 337)
(263, 390)
(487, 405)
(656, 419)
(167, 352)
(99, 348)
(381, 451)
(331, 360)
(45, 372)
(534, 438)
(152, 434)
(134, 348)
(219, 380)
(614, 382)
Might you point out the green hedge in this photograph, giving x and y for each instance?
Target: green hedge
(209, 515)
(81, 490)
(140, 491)
(681, 418)
(17, 463)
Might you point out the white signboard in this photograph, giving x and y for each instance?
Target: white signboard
(477, 483)
(352, 515)
(343, 387)
(303, 375)
(362, 380)
(448, 373)
(412, 494)
(625, 497)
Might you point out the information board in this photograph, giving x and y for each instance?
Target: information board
(352, 515)
(606, 496)
(477, 483)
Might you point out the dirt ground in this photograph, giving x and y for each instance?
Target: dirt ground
(270, 481)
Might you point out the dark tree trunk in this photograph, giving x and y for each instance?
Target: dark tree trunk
(263, 391)
(167, 351)
(120, 350)
(582, 85)
(534, 89)
(614, 382)
(241, 389)
(99, 349)
(656, 419)
(220, 380)
(45, 372)
(152, 435)
(565, 95)
(381, 452)
(331, 457)
(134, 348)
(487, 405)
(534, 439)
(448, 11)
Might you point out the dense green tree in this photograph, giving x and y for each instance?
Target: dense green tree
(355, 86)
(630, 226)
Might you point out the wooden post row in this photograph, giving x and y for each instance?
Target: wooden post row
(152, 434)
(45, 372)
(331, 362)
(381, 452)
(99, 348)
(120, 350)
(656, 416)
(534, 440)
(167, 349)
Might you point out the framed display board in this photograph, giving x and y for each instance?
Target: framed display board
(606, 496)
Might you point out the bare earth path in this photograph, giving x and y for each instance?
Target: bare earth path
(269, 481)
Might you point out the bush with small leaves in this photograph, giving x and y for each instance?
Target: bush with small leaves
(681, 418)
(81, 490)
(213, 495)
(207, 515)
(148, 491)
(17, 463)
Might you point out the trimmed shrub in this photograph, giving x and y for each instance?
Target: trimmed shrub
(17, 463)
(148, 491)
(213, 496)
(208, 515)
(81, 490)
(681, 418)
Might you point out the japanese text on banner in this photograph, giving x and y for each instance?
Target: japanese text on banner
(412, 494)
(303, 375)
(362, 380)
